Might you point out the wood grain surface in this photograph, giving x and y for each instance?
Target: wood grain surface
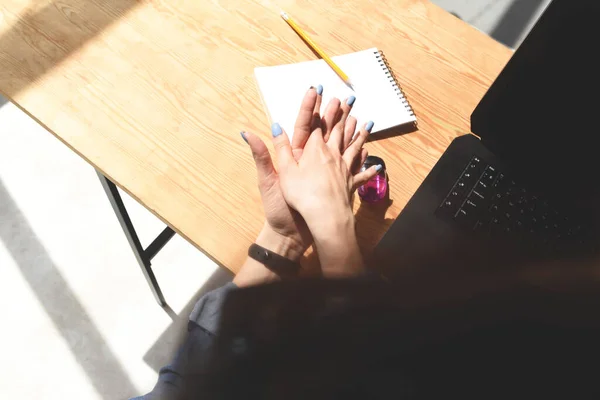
(154, 94)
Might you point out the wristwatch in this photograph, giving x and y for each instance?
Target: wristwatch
(273, 261)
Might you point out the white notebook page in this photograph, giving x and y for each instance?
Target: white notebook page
(283, 87)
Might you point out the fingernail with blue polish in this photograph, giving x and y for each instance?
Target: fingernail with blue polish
(242, 133)
(369, 126)
(351, 100)
(276, 129)
(378, 167)
(320, 90)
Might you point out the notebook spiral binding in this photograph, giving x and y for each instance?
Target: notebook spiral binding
(392, 77)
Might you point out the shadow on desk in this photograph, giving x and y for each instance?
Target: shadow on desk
(395, 131)
(44, 37)
(371, 225)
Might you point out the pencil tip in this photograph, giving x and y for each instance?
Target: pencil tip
(283, 14)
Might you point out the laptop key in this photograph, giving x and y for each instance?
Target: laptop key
(479, 226)
(469, 178)
(471, 206)
(483, 190)
(489, 176)
(500, 181)
(455, 196)
(462, 186)
(449, 207)
(518, 226)
(476, 198)
(475, 167)
(464, 219)
(475, 194)
(495, 226)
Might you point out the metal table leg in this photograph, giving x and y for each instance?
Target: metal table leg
(143, 256)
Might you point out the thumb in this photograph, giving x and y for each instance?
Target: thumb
(262, 159)
(283, 148)
(364, 176)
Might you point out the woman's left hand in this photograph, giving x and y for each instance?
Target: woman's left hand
(283, 223)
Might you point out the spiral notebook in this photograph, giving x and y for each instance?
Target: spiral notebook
(379, 97)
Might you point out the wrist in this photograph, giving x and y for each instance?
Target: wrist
(338, 229)
(337, 247)
(282, 245)
(254, 272)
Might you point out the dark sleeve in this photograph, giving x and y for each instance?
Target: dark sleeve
(192, 355)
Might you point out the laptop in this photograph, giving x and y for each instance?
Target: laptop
(525, 184)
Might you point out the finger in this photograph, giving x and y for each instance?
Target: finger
(330, 117)
(359, 161)
(368, 126)
(303, 126)
(364, 153)
(336, 137)
(316, 120)
(349, 130)
(357, 143)
(363, 177)
(283, 148)
(264, 164)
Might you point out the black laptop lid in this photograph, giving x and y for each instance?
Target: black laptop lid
(542, 114)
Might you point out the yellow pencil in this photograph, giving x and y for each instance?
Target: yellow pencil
(316, 48)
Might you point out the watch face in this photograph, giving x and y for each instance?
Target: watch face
(265, 255)
(273, 261)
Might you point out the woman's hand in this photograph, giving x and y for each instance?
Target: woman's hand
(282, 220)
(319, 183)
(285, 231)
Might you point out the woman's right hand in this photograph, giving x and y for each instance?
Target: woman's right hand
(319, 184)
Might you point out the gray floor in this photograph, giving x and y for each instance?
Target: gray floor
(78, 318)
(508, 21)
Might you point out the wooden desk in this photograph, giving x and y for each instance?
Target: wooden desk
(154, 93)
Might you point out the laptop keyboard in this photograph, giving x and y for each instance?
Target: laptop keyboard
(488, 201)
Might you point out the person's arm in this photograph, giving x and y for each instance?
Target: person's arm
(253, 272)
(285, 232)
(318, 170)
(337, 246)
(204, 320)
(319, 185)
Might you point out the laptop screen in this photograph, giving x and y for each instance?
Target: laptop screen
(542, 114)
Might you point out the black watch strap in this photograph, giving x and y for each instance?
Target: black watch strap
(276, 263)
